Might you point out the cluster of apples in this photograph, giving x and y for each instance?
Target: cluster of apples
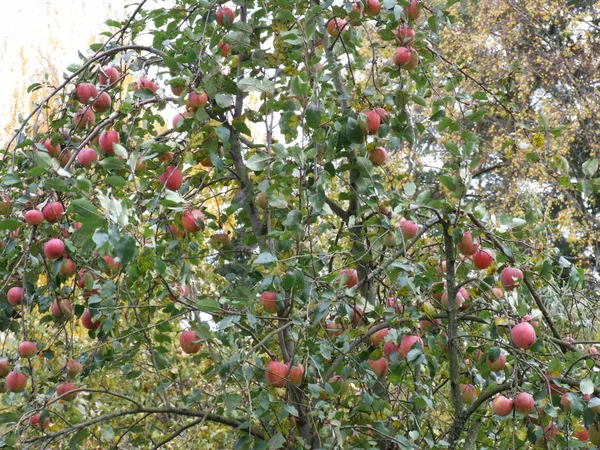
(279, 374)
(369, 8)
(405, 56)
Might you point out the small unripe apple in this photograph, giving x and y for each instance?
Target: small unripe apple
(407, 343)
(335, 25)
(108, 75)
(225, 16)
(413, 11)
(107, 139)
(220, 240)
(497, 364)
(35, 421)
(502, 406)
(469, 393)
(405, 35)
(524, 403)
(102, 103)
(379, 366)
(193, 220)
(197, 100)
(594, 433)
(268, 300)
(87, 156)
(27, 349)
(389, 239)
(15, 295)
(408, 228)
(378, 156)
(371, 123)
(4, 367)
(34, 217)
(510, 278)
(74, 367)
(188, 342)
(172, 178)
(483, 258)
(64, 391)
(145, 83)
(15, 382)
(402, 56)
(87, 322)
(296, 373)
(62, 309)
(467, 246)
(53, 212)
(54, 248)
(53, 150)
(84, 117)
(523, 335)
(378, 337)
(276, 373)
(349, 277)
(85, 91)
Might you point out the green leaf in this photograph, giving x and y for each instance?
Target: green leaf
(256, 85)
(265, 258)
(258, 162)
(354, 132)
(78, 439)
(313, 116)
(86, 212)
(586, 386)
(126, 249)
(207, 304)
(9, 224)
(277, 441)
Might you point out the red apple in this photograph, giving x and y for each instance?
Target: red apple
(188, 341)
(225, 16)
(64, 391)
(502, 406)
(550, 431)
(84, 117)
(483, 258)
(535, 324)
(276, 373)
(53, 212)
(334, 329)
(62, 309)
(35, 421)
(405, 35)
(177, 120)
(378, 337)
(335, 25)
(498, 293)
(389, 348)
(268, 299)
(413, 11)
(383, 115)
(524, 403)
(407, 343)
(15, 382)
(459, 300)
(53, 150)
(349, 277)
(378, 156)
(357, 316)
(581, 434)
(296, 373)
(192, 221)
(176, 231)
(372, 7)
(102, 103)
(34, 217)
(497, 364)
(467, 246)
(106, 141)
(15, 295)
(108, 75)
(371, 123)
(224, 48)
(469, 393)
(85, 91)
(172, 178)
(396, 304)
(177, 90)
(379, 366)
(87, 156)
(145, 83)
(113, 266)
(510, 278)
(74, 367)
(87, 322)
(4, 367)
(523, 335)
(565, 401)
(413, 62)
(408, 228)
(402, 56)
(27, 349)
(54, 248)
(197, 100)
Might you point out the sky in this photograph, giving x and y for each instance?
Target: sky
(41, 35)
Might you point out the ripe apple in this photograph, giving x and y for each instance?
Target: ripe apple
(177, 90)
(498, 293)
(371, 123)
(413, 62)
(4, 367)
(85, 91)
(15, 295)
(498, 364)
(220, 240)
(469, 393)
(335, 25)
(172, 178)
(483, 258)
(405, 35)
(192, 221)
(197, 100)
(296, 373)
(102, 103)
(224, 48)
(378, 156)
(113, 266)
(407, 343)
(107, 139)
(402, 56)
(524, 403)
(502, 406)
(349, 277)
(27, 349)
(177, 120)
(34, 217)
(334, 329)
(176, 231)
(378, 337)
(459, 300)
(74, 367)
(396, 304)
(87, 322)
(54, 248)
(15, 382)
(188, 341)
(357, 316)
(581, 434)
(53, 211)
(523, 335)
(86, 157)
(35, 421)
(383, 115)
(413, 11)
(53, 150)
(408, 228)
(145, 83)
(64, 391)
(535, 324)
(565, 401)
(84, 117)
(108, 75)
(372, 7)
(550, 431)
(390, 347)
(225, 16)
(379, 366)
(4, 205)
(268, 300)
(510, 278)
(467, 246)
(276, 373)
(62, 309)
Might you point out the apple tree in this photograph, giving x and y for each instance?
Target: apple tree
(230, 227)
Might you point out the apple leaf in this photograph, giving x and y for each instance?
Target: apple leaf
(126, 249)
(258, 162)
(265, 258)
(586, 386)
